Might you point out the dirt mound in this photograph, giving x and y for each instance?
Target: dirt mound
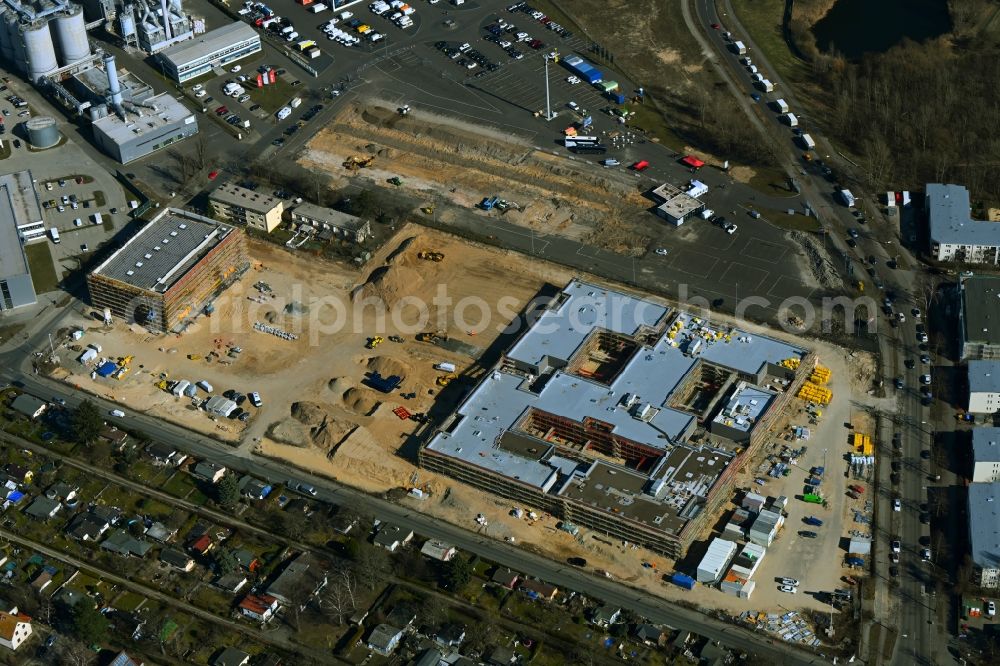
(389, 284)
(400, 250)
(340, 385)
(386, 366)
(309, 413)
(330, 433)
(360, 401)
(291, 432)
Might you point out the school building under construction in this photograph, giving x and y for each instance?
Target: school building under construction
(621, 415)
(170, 271)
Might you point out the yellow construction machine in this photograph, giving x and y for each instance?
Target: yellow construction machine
(354, 162)
(430, 255)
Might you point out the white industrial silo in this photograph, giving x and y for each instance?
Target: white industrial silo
(70, 33)
(39, 51)
(126, 23)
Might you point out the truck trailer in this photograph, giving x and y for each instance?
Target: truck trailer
(780, 105)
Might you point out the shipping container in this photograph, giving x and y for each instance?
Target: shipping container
(295, 103)
(313, 52)
(445, 367)
(205, 386)
(807, 141)
(318, 7)
(682, 580)
(692, 161)
(781, 105)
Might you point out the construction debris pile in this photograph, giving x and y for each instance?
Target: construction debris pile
(274, 330)
(789, 627)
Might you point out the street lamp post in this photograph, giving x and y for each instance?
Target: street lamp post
(548, 101)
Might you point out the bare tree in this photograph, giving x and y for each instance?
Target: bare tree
(373, 566)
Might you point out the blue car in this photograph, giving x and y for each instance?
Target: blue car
(755, 96)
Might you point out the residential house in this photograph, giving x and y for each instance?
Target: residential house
(232, 582)
(239, 205)
(126, 624)
(29, 405)
(438, 550)
(501, 656)
(302, 577)
(160, 532)
(165, 454)
(19, 474)
(384, 639)
(344, 226)
(43, 508)
(43, 579)
(429, 657)
(392, 537)
(985, 455)
(209, 471)
(14, 629)
(450, 635)
(254, 488)
(605, 616)
(201, 545)
(123, 659)
(536, 589)
(505, 578)
(62, 492)
(260, 607)
(247, 560)
(649, 634)
(231, 657)
(123, 543)
(177, 558)
(88, 526)
(114, 436)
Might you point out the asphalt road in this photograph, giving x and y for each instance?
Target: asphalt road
(15, 361)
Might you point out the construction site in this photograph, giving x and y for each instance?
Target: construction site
(421, 152)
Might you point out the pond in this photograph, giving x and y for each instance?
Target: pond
(856, 27)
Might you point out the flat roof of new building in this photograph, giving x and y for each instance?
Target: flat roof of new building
(234, 195)
(164, 250)
(949, 217)
(984, 376)
(986, 444)
(984, 524)
(981, 309)
(157, 112)
(581, 308)
(745, 406)
(492, 429)
(720, 552)
(209, 43)
(15, 211)
(675, 202)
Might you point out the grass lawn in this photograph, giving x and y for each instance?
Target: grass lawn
(273, 96)
(179, 485)
(212, 600)
(792, 222)
(762, 18)
(84, 583)
(128, 601)
(99, 199)
(43, 271)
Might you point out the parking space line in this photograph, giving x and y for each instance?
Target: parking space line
(745, 275)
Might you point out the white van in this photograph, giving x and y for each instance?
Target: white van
(117, 413)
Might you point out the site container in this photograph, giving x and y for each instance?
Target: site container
(683, 580)
(618, 98)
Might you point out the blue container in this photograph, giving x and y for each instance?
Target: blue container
(682, 580)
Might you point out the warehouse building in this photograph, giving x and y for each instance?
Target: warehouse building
(954, 235)
(340, 225)
(984, 387)
(979, 317)
(20, 221)
(139, 131)
(590, 416)
(238, 205)
(170, 271)
(216, 48)
(984, 533)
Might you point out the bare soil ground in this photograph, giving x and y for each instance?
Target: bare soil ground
(440, 158)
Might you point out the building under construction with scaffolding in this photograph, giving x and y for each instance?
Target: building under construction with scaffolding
(171, 271)
(621, 415)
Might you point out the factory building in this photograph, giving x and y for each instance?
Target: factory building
(215, 48)
(600, 413)
(154, 25)
(130, 130)
(20, 220)
(42, 37)
(247, 207)
(171, 271)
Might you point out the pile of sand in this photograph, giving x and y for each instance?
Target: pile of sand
(311, 425)
(361, 401)
(291, 432)
(367, 459)
(389, 284)
(340, 385)
(309, 413)
(387, 366)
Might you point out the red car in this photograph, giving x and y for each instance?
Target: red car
(716, 26)
(640, 165)
(221, 110)
(213, 175)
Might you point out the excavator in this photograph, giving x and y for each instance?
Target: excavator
(444, 380)
(428, 336)
(353, 163)
(373, 342)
